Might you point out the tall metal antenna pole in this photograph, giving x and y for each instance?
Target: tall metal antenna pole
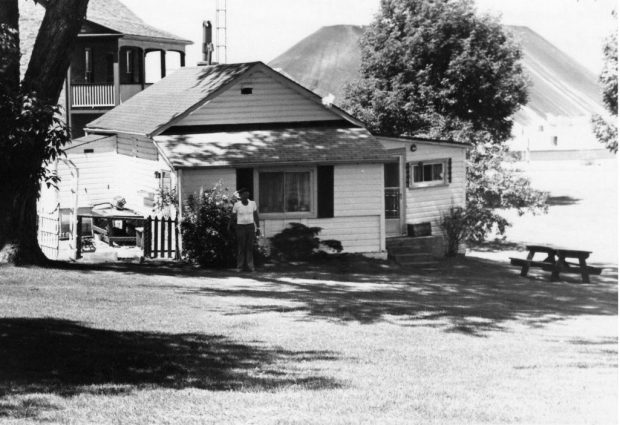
(220, 31)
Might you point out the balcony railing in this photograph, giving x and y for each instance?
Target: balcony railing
(92, 95)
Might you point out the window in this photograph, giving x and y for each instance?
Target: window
(88, 65)
(285, 192)
(165, 181)
(429, 173)
(129, 61)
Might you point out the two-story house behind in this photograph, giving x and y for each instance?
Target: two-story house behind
(116, 56)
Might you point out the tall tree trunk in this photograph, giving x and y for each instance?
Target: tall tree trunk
(45, 75)
(9, 84)
(51, 55)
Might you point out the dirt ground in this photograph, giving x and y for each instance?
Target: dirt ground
(583, 211)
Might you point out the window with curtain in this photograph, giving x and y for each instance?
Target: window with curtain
(284, 192)
(428, 173)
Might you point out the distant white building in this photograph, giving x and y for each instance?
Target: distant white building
(563, 97)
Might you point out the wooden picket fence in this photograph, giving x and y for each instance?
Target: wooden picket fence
(161, 238)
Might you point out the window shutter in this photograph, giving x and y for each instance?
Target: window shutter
(325, 191)
(408, 174)
(449, 170)
(245, 178)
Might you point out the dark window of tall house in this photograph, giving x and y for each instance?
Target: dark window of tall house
(88, 65)
(109, 68)
(129, 61)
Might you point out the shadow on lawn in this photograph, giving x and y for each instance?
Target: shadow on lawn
(67, 358)
(467, 295)
(470, 296)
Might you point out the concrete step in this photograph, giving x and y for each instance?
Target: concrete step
(399, 250)
(410, 257)
(426, 242)
(428, 265)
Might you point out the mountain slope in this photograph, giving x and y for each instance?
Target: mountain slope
(329, 58)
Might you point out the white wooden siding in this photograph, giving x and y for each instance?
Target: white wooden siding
(136, 147)
(270, 101)
(358, 204)
(360, 233)
(429, 203)
(104, 174)
(358, 189)
(99, 146)
(136, 181)
(193, 181)
(97, 178)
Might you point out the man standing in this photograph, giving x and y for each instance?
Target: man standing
(245, 218)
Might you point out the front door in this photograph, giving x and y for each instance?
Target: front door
(392, 199)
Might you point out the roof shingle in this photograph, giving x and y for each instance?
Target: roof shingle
(159, 104)
(281, 146)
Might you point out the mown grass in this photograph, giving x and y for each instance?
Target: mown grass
(344, 341)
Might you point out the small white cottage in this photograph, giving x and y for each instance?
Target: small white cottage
(248, 125)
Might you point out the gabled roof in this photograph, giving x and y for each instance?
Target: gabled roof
(114, 15)
(157, 108)
(111, 14)
(311, 145)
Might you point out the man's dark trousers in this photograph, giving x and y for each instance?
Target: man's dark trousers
(245, 246)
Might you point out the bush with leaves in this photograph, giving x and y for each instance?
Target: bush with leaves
(204, 229)
(455, 225)
(207, 239)
(300, 242)
(166, 202)
(494, 184)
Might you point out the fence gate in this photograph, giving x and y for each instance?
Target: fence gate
(161, 238)
(49, 233)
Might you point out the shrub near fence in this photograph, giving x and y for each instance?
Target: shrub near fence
(161, 238)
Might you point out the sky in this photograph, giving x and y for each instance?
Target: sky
(263, 29)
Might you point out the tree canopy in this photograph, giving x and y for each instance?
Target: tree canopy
(436, 68)
(606, 130)
(428, 66)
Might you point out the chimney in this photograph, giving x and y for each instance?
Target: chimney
(207, 43)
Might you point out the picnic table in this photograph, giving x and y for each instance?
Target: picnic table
(556, 262)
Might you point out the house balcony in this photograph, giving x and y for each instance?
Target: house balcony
(92, 95)
(101, 95)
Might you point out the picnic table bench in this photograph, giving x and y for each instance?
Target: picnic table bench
(556, 263)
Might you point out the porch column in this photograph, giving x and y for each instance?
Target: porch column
(68, 97)
(117, 78)
(182, 58)
(142, 66)
(163, 63)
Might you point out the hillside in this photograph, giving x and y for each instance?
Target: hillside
(329, 58)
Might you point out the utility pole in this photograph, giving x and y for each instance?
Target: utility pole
(220, 31)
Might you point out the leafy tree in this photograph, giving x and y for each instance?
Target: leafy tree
(606, 130)
(435, 68)
(31, 132)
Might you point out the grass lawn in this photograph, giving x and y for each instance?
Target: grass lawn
(348, 342)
